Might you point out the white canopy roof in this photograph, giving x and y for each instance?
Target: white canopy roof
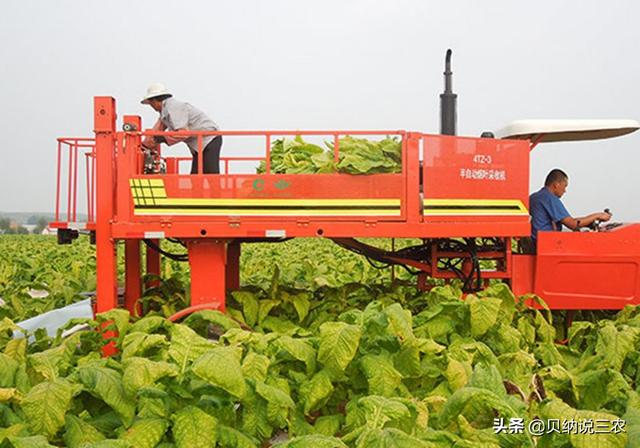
(566, 130)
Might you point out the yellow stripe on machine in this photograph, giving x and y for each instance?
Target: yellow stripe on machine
(150, 199)
(474, 207)
(280, 202)
(259, 212)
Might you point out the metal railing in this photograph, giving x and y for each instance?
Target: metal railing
(70, 150)
(268, 135)
(75, 146)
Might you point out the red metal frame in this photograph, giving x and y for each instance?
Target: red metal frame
(449, 187)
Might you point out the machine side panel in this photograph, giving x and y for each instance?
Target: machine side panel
(289, 197)
(589, 270)
(475, 179)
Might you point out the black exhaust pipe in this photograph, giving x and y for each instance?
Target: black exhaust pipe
(448, 101)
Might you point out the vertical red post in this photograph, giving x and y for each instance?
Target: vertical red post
(153, 264)
(58, 182)
(411, 171)
(172, 165)
(106, 263)
(207, 259)
(233, 265)
(133, 285)
(267, 162)
(128, 151)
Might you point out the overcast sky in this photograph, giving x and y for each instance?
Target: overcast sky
(330, 64)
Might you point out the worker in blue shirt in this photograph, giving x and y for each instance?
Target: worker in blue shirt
(549, 214)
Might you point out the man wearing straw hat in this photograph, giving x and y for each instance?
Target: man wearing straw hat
(179, 116)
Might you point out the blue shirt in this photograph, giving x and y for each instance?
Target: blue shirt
(546, 210)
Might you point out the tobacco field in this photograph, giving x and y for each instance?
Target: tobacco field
(319, 348)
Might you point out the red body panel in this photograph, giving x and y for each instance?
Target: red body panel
(589, 270)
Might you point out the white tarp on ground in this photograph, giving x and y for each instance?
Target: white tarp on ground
(52, 320)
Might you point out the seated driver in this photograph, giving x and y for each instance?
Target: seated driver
(549, 214)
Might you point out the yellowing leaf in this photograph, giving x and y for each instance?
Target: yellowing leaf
(78, 433)
(142, 372)
(221, 367)
(146, 432)
(46, 405)
(194, 428)
(484, 313)
(338, 344)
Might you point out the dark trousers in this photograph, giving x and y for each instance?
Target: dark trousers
(210, 157)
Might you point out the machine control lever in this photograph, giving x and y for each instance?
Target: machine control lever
(595, 225)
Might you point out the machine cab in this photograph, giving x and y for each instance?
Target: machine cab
(589, 269)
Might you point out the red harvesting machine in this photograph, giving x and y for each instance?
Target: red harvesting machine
(466, 199)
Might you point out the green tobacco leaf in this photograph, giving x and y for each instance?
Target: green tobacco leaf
(15, 430)
(301, 303)
(614, 345)
(254, 416)
(383, 378)
(16, 349)
(502, 292)
(266, 305)
(51, 362)
(10, 394)
(146, 432)
(545, 331)
(527, 330)
(110, 443)
(152, 406)
(556, 409)
(389, 438)
(486, 438)
(378, 411)
(8, 370)
(142, 372)
(399, 322)
(29, 442)
(457, 373)
(315, 392)
(46, 405)
(559, 380)
(484, 314)
(221, 367)
(214, 317)
(632, 417)
(150, 324)
(194, 428)
(232, 438)
(255, 366)
(407, 360)
(250, 306)
(479, 403)
(107, 385)
(299, 349)
(119, 317)
(79, 433)
(328, 425)
(338, 344)
(517, 367)
(186, 345)
(282, 326)
(312, 440)
(599, 387)
(487, 377)
(142, 344)
(279, 403)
